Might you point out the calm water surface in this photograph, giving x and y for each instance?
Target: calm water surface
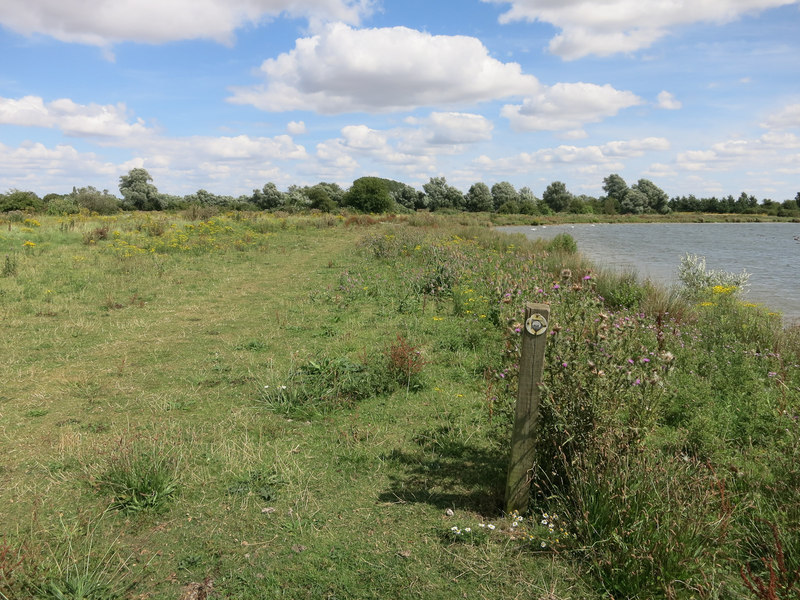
(770, 252)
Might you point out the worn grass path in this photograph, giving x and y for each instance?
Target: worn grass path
(103, 353)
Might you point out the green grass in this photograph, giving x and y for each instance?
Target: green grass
(293, 406)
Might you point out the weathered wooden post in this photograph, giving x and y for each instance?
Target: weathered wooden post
(526, 417)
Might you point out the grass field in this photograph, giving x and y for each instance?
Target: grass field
(257, 406)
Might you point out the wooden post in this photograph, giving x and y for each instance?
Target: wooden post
(523, 438)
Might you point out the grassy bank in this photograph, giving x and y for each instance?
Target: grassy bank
(320, 407)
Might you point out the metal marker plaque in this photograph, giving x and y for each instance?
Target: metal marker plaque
(536, 324)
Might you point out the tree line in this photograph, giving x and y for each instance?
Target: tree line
(378, 195)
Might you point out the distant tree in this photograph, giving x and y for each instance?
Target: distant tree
(138, 192)
(406, 196)
(581, 204)
(790, 208)
(296, 199)
(635, 202)
(657, 199)
(441, 195)
(503, 192)
(479, 198)
(267, 198)
(370, 195)
(557, 197)
(334, 191)
(528, 202)
(102, 203)
(685, 204)
(20, 200)
(60, 205)
(615, 187)
(745, 203)
(321, 199)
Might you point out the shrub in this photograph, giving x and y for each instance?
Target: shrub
(563, 242)
(20, 200)
(405, 363)
(697, 280)
(62, 206)
(94, 236)
(619, 290)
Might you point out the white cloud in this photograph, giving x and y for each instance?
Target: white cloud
(613, 26)
(76, 120)
(660, 170)
(568, 106)
(412, 148)
(343, 69)
(448, 128)
(36, 167)
(361, 137)
(104, 22)
(788, 116)
(606, 155)
(667, 101)
(296, 128)
(771, 149)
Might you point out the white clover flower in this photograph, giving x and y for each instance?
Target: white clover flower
(491, 526)
(482, 525)
(468, 529)
(543, 545)
(454, 528)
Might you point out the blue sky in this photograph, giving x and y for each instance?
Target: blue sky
(699, 96)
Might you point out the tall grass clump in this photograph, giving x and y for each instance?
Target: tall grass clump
(325, 384)
(141, 476)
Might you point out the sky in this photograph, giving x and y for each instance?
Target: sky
(699, 96)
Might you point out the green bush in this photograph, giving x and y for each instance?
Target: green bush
(20, 200)
(563, 242)
(619, 290)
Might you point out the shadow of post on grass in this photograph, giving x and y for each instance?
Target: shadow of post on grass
(448, 471)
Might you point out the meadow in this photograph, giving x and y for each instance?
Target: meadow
(258, 405)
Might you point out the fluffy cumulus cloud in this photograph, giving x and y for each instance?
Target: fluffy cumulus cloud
(412, 148)
(193, 158)
(104, 22)
(612, 26)
(607, 155)
(787, 117)
(35, 166)
(452, 128)
(667, 101)
(296, 128)
(343, 69)
(77, 120)
(776, 149)
(568, 106)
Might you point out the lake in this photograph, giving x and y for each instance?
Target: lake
(770, 252)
